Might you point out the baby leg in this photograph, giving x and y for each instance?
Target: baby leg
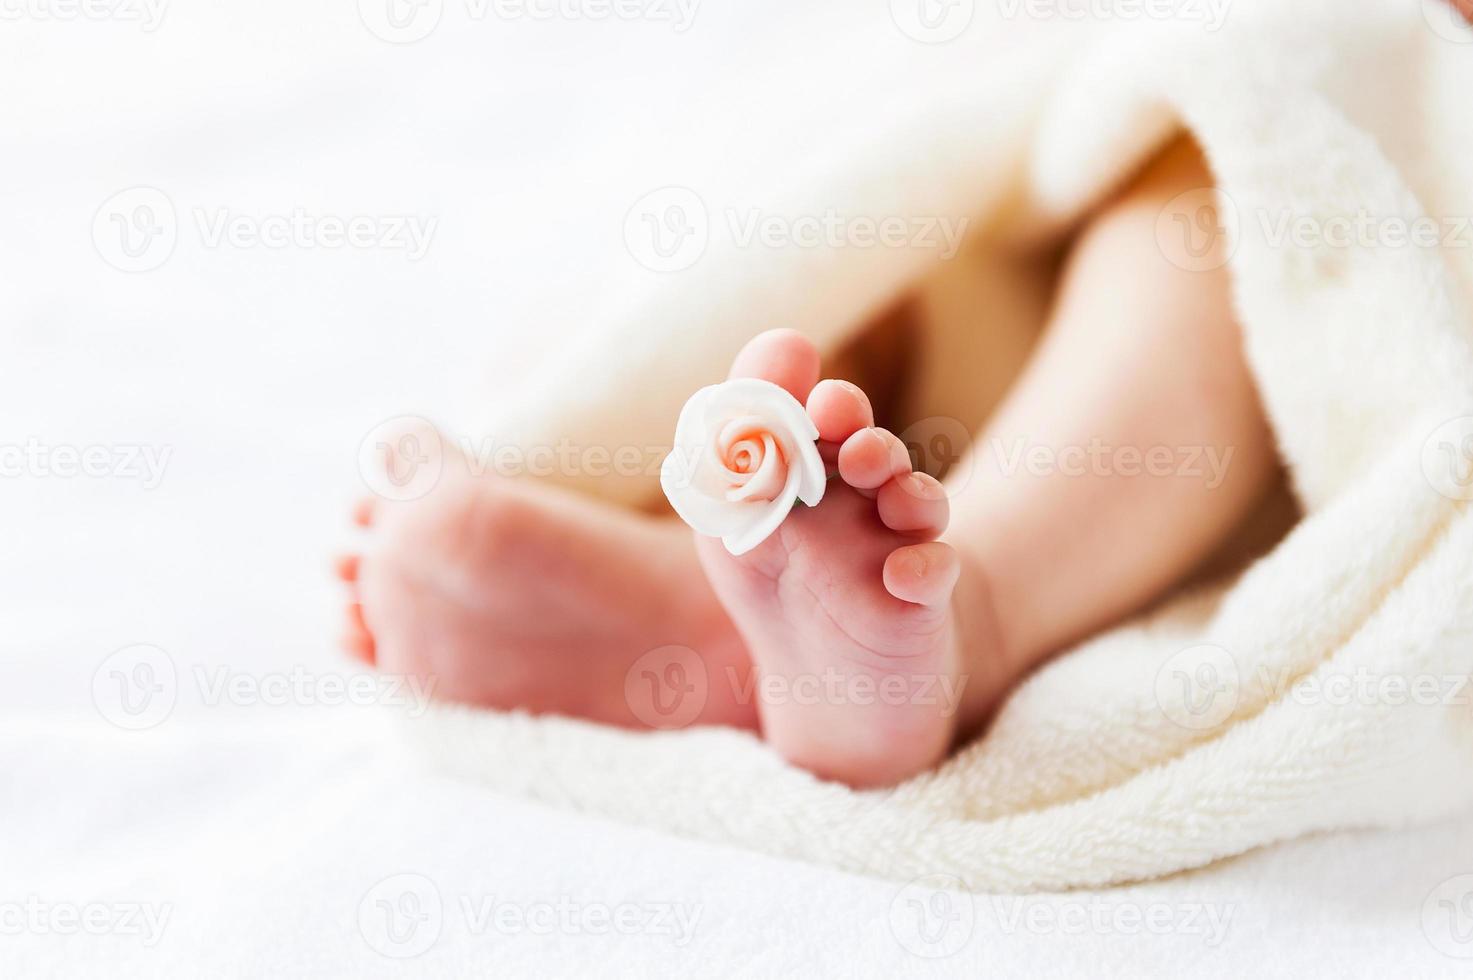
(1131, 446)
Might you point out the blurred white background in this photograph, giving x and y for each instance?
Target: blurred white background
(255, 371)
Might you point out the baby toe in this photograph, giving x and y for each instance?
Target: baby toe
(871, 458)
(363, 512)
(345, 567)
(914, 504)
(357, 640)
(784, 357)
(838, 410)
(924, 574)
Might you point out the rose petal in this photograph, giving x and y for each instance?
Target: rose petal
(748, 428)
(770, 479)
(752, 396)
(788, 417)
(769, 517)
(813, 476)
(710, 515)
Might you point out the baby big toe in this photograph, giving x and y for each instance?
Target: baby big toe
(785, 357)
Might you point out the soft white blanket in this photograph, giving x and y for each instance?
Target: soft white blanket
(261, 850)
(1323, 688)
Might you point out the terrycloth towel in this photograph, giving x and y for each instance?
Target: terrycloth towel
(1325, 686)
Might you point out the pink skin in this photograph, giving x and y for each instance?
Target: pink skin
(508, 594)
(848, 599)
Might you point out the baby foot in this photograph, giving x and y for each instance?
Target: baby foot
(509, 594)
(847, 609)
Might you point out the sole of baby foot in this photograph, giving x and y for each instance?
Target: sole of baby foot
(848, 609)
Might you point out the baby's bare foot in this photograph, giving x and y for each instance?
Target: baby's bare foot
(847, 610)
(514, 595)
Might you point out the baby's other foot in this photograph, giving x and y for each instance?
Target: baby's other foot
(508, 594)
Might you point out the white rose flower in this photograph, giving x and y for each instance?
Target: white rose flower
(745, 450)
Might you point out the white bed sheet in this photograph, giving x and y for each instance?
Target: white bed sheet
(269, 844)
